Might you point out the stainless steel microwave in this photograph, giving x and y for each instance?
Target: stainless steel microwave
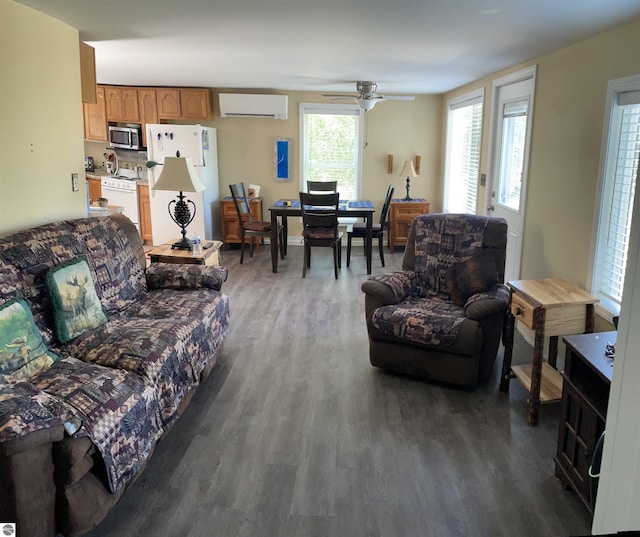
(125, 137)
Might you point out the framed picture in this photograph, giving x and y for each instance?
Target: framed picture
(281, 159)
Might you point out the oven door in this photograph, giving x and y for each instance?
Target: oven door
(125, 198)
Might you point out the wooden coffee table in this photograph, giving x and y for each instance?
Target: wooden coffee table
(550, 307)
(165, 254)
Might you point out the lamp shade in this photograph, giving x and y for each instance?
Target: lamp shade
(408, 170)
(179, 174)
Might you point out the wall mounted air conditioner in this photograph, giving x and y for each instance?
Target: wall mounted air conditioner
(253, 105)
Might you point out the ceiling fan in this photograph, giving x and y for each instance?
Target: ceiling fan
(367, 96)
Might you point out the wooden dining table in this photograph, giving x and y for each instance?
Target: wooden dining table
(284, 208)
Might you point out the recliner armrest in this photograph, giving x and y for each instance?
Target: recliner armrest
(185, 276)
(389, 288)
(487, 303)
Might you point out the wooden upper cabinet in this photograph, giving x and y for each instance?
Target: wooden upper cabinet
(196, 103)
(95, 119)
(169, 105)
(88, 73)
(122, 104)
(148, 110)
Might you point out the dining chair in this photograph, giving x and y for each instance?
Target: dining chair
(359, 229)
(248, 227)
(320, 226)
(322, 186)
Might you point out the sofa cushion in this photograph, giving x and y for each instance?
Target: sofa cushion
(76, 307)
(167, 338)
(476, 274)
(185, 276)
(23, 353)
(119, 277)
(432, 322)
(442, 240)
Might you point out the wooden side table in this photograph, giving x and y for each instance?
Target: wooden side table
(164, 254)
(550, 307)
(401, 215)
(583, 412)
(230, 224)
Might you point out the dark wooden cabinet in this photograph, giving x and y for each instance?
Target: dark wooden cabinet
(583, 411)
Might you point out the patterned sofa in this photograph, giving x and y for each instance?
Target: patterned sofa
(79, 422)
(441, 318)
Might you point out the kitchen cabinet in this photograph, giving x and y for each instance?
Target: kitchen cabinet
(401, 216)
(122, 104)
(95, 118)
(230, 224)
(169, 106)
(183, 103)
(144, 210)
(148, 110)
(88, 73)
(95, 188)
(195, 103)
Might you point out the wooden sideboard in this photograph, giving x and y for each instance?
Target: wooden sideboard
(585, 396)
(401, 215)
(230, 225)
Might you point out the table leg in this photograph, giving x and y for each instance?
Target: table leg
(274, 241)
(553, 351)
(285, 232)
(369, 241)
(507, 339)
(533, 402)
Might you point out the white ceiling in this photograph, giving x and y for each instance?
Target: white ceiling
(407, 46)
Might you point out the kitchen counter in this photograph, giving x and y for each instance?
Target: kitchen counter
(94, 210)
(98, 174)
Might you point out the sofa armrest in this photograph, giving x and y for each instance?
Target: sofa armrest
(389, 288)
(185, 276)
(487, 303)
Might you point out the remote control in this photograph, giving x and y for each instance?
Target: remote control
(207, 244)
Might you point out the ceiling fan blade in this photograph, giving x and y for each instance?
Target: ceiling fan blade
(398, 97)
(339, 96)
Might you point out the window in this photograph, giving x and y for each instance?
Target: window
(617, 187)
(462, 165)
(331, 146)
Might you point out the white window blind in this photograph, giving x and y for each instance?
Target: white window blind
(331, 146)
(614, 224)
(462, 166)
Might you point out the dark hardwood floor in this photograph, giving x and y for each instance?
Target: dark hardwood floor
(295, 434)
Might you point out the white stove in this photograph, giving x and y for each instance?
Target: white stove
(122, 191)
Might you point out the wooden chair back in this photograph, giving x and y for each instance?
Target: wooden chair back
(322, 186)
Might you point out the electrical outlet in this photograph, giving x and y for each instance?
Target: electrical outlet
(74, 182)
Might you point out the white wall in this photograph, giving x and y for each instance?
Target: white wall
(41, 126)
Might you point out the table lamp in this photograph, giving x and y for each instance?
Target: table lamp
(178, 173)
(408, 171)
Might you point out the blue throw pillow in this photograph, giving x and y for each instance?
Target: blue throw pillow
(23, 353)
(76, 306)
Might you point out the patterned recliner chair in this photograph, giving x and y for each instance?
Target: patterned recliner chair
(441, 317)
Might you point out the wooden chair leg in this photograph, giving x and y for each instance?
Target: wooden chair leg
(380, 248)
(348, 249)
(305, 259)
(335, 258)
(241, 247)
(282, 244)
(252, 242)
(340, 252)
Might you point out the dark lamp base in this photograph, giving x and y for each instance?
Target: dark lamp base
(183, 244)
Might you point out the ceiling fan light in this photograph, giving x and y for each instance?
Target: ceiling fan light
(366, 104)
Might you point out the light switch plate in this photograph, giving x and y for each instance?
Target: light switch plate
(74, 182)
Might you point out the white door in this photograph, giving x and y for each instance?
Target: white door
(510, 142)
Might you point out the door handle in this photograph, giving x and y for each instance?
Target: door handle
(491, 208)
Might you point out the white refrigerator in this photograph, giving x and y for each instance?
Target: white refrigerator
(200, 144)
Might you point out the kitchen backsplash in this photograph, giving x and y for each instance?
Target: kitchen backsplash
(126, 159)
